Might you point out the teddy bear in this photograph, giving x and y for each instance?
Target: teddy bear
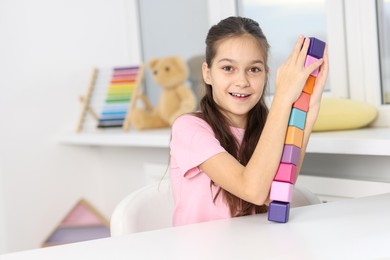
(175, 99)
(196, 77)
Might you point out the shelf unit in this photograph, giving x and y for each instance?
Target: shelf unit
(156, 138)
(367, 141)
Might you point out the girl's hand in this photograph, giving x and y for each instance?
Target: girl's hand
(292, 74)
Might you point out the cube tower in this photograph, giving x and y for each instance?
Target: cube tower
(286, 175)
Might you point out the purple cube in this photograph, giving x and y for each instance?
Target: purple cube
(291, 154)
(316, 48)
(278, 211)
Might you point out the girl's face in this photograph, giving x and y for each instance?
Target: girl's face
(237, 76)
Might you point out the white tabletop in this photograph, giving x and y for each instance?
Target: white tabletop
(350, 229)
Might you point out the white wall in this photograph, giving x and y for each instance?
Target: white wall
(3, 240)
(47, 50)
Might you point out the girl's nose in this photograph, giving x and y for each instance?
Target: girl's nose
(242, 80)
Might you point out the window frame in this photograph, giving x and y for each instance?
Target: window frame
(363, 51)
(363, 55)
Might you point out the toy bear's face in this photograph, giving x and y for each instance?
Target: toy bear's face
(169, 72)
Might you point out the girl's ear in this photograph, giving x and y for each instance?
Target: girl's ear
(206, 73)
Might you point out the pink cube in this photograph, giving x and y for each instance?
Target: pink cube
(310, 60)
(303, 102)
(286, 173)
(281, 191)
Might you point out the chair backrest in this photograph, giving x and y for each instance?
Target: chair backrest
(303, 197)
(151, 207)
(148, 208)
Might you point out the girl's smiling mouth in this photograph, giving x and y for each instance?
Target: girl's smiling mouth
(239, 95)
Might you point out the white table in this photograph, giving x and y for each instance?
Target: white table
(350, 229)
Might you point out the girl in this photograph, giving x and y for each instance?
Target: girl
(224, 158)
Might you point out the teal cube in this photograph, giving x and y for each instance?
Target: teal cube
(297, 118)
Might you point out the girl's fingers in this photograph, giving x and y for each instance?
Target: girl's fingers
(324, 68)
(326, 60)
(321, 64)
(321, 78)
(315, 65)
(293, 72)
(298, 45)
(303, 51)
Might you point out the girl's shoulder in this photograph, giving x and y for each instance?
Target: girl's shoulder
(190, 122)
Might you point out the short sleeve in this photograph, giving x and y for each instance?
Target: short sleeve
(192, 143)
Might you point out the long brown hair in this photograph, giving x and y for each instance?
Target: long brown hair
(209, 110)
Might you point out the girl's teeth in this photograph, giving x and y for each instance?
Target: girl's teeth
(238, 95)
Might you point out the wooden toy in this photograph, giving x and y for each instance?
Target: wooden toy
(310, 60)
(279, 211)
(286, 175)
(316, 48)
(309, 85)
(302, 102)
(297, 118)
(294, 136)
(109, 97)
(291, 154)
(281, 191)
(82, 223)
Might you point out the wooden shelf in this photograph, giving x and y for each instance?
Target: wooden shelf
(367, 141)
(156, 138)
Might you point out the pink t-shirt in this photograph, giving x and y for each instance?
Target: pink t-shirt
(193, 142)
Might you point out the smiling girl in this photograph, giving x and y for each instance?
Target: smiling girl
(224, 157)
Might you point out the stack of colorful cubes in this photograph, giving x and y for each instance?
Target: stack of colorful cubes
(286, 175)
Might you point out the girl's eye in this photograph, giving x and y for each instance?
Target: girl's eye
(255, 69)
(227, 68)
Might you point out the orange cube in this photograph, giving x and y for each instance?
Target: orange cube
(309, 85)
(294, 136)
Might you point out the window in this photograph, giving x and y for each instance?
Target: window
(357, 33)
(301, 17)
(366, 60)
(383, 9)
(170, 28)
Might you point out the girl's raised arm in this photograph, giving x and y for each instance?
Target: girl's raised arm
(252, 182)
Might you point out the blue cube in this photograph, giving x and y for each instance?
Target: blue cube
(316, 48)
(278, 211)
(297, 118)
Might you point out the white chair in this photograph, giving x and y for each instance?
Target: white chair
(148, 208)
(151, 207)
(303, 197)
